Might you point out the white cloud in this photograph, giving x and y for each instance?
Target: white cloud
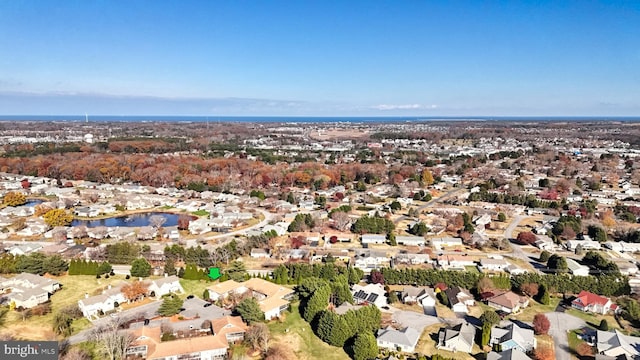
(387, 107)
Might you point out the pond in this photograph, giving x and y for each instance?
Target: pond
(33, 202)
(134, 220)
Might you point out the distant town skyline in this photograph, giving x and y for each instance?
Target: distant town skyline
(320, 58)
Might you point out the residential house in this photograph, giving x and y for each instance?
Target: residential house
(617, 345)
(513, 336)
(367, 239)
(273, 299)
(403, 340)
(27, 290)
(147, 342)
(367, 260)
(576, 269)
(410, 240)
(165, 285)
(454, 261)
(585, 244)
(544, 242)
(511, 354)
(369, 294)
(493, 264)
(442, 242)
(260, 253)
(413, 259)
(422, 295)
(590, 302)
(109, 300)
(86, 211)
(23, 249)
(457, 338)
(459, 299)
(508, 301)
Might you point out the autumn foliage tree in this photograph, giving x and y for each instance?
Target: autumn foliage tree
(58, 217)
(541, 324)
(544, 352)
(584, 349)
(14, 198)
(529, 289)
(135, 291)
(526, 238)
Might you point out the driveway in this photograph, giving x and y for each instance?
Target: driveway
(415, 320)
(561, 323)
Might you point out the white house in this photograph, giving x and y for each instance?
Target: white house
(441, 242)
(586, 245)
(404, 340)
(109, 300)
(577, 269)
(368, 260)
(410, 240)
(369, 294)
(166, 285)
(373, 239)
(260, 253)
(493, 264)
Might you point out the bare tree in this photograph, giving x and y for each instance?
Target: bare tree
(157, 221)
(111, 342)
(341, 220)
(258, 337)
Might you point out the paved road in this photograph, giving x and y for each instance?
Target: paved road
(561, 323)
(430, 203)
(508, 232)
(267, 217)
(415, 320)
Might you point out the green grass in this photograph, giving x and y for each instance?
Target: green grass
(594, 319)
(574, 341)
(200, 213)
(73, 289)
(535, 308)
(296, 333)
(195, 287)
(472, 269)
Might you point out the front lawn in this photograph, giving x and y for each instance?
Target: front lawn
(196, 287)
(296, 334)
(595, 319)
(534, 308)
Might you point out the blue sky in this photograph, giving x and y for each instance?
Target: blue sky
(324, 58)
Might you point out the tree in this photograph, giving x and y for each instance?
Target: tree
(140, 268)
(249, 311)
(135, 291)
(110, 343)
(486, 334)
(364, 347)
(426, 177)
(490, 317)
(485, 284)
(541, 324)
(544, 256)
(584, 350)
(183, 222)
(257, 336)
(58, 217)
(376, 277)
(157, 221)
(3, 316)
(579, 250)
(502, 217)
(392, 239)
(529, 289)
(544, 352)
(62, 324)
(237, 271)
(604, 325)
(341, 220)
(171, 305)
(14, 198)
(543, 295)
(170, 267)
(526, 238)
(557, 264)
(419, 229)
(393, 297)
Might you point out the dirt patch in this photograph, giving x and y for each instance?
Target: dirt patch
(18, 331)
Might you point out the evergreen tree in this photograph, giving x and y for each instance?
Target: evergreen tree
(140, 268)
(169, 267)
(171, 305)
(249, 311)
(365, 347)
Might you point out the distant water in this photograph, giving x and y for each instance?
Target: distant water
(306, 119)
(135, 220)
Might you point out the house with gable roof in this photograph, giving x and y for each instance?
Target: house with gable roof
(392, 339)
(513, 336)
(616, 345)
(457, 338)
(508, 301)
(590, 302)
(166, 285)
(511, 354)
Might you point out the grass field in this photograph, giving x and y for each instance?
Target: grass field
(535, 308)
(73, 289)
(594, 319)
(296, 334)
(196, 287)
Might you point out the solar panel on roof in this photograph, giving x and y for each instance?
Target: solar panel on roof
(361, 295)
(372, 298)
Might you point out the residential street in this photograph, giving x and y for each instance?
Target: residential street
(561, 323)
